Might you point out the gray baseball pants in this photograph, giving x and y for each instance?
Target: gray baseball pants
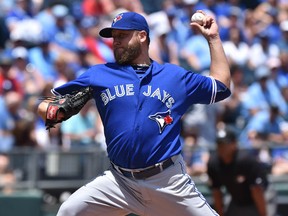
(170, 193)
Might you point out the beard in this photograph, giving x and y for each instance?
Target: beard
(125, 56)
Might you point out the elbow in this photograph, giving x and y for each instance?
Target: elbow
(223, 91)
(226, 82)
(221, 95)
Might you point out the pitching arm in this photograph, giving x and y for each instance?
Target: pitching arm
(219, 68)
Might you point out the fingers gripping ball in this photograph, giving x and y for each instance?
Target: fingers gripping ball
(68, 105)
(198, 18)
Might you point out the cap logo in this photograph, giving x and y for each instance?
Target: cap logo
(117, 18)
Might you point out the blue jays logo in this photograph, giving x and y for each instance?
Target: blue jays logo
(162, 119)
(117, 18)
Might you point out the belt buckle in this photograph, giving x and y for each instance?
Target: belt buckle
(160, 165)
(132, 174)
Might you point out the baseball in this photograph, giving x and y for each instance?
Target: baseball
(198, 17)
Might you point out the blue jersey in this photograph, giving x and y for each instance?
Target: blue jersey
(142, 116)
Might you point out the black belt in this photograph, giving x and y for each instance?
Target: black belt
(145, 173)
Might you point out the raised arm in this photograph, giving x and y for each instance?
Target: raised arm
(219, 68)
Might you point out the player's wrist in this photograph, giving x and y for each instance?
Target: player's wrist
(214, 39)
(42, 108)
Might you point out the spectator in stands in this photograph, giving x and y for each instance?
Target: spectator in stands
(23, 28)
(261, 50)
(64, 34)
(250, 26)
(232, 106)
(7, 176)
(4, 33)
(274, 64)
(194, 155)
(64, 71)
(262, 94)
(222, 9)
(283, 67)
(263, 11)
(177, 16)
(24, 133)
(7, 81)
(19, 12)
(236, 49)
(97, 8)
(204, 4)
(232, 20)
(273, 26)
(100, 48)
(279, 160)
(6, 6)
(86, 60)
(203, 120)
(283, 40)
(20, 108)
(174, 36)
(267, 17)
(43, 57)
(265, 128)
(30, 79)
(4, 163)
(162, 49)
(244, 178)
(151, 6)
(127, 5)
(9, 114)
(45, 16)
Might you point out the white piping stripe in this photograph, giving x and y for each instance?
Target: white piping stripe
(54, 92)
(214, 90)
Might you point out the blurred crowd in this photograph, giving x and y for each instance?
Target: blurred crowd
(45, 43)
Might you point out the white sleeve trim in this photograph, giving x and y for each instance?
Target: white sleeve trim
(214, 90)
(55, 92)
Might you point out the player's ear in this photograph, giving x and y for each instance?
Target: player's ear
(142, 36)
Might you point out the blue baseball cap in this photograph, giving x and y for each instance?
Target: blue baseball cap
(126, 21)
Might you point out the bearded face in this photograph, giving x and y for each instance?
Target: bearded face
(126, 55)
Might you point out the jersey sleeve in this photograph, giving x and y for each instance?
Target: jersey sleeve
(81, 82)
(205, 89)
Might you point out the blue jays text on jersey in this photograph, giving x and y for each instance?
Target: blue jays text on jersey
(142, 116)
(128, 90)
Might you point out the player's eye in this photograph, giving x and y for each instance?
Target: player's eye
(121, 36)
(117, 33)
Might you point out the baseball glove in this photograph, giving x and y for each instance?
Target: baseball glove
(68, 105)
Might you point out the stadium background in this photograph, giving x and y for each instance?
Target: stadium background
(45, 43)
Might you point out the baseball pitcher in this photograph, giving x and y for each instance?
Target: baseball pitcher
(141, 103)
